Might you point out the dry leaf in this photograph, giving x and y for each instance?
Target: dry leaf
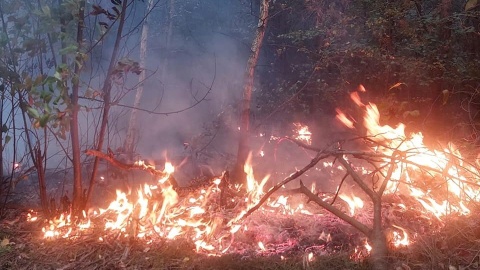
(396, 85)
(446, 95)
(4, 242)
(471, 4)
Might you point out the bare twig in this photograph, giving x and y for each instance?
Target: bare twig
(320, 155)
(337, 212)
(357, 179)
(338, 189)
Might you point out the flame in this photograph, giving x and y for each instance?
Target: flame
(400, 239)
(356, 99)
(353, 202)
(310, 257)
(303, 134)
(367, 246)
(261, 246)
(418, 166)
(157, 210)
(344, 119)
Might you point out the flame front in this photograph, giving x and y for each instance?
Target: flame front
(427, 175)
(440, 181)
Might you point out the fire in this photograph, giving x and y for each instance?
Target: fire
(416, 165)
(344, 119)
(368, 247)
(353, 202)
(159, 210)
(303, 134)
(400, 239)
(261, 246)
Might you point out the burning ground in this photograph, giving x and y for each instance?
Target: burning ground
(422, 199)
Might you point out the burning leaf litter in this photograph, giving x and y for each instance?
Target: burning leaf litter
(424, 185)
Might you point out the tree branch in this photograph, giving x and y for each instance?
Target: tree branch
(357, 178)
(125, 166)
(337, 212)
(320, 155)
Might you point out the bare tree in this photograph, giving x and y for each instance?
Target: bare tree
(77, 202)
(132, 124)
(243, 144)
(106, 89)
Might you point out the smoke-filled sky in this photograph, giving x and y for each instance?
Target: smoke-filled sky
(201, 54)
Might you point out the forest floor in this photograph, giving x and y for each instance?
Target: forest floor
(22, 246)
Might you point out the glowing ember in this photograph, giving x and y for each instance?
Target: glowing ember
(310, 257)
(303, 134)
(31, 216)
(400, 239)
(367, 246)
(261, 246)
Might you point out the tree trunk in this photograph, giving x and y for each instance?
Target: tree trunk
(243, 145)
(379, 241)
(42, 184)
(78, 199)
(168, 41)
(2, 178)
(132, 125)
(106, 89)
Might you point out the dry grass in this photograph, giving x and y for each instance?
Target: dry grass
(451, 244)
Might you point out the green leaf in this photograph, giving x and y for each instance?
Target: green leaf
(70, 49)
(32, 112)
(46, 10)
(47, 108)
(4, 128)
(57, 75)
(44, 120)
(7, 139)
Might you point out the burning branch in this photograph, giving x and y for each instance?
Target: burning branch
(357, 179)
(332, 209)
(125, 166)
(320, 155)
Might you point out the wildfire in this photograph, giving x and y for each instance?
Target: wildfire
(416, 165)
(159, 210)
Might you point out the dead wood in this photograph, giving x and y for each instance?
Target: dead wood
(119, 164)
(320, 155)
(332, 209)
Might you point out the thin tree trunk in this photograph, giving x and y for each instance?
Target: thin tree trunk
(132, 125)
(42, 185)
(2, 177)
(379, 241)
(78, 199)
(106, 89)
(243, 145)
(168, 40)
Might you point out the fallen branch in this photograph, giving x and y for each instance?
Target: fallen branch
(125, 166)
